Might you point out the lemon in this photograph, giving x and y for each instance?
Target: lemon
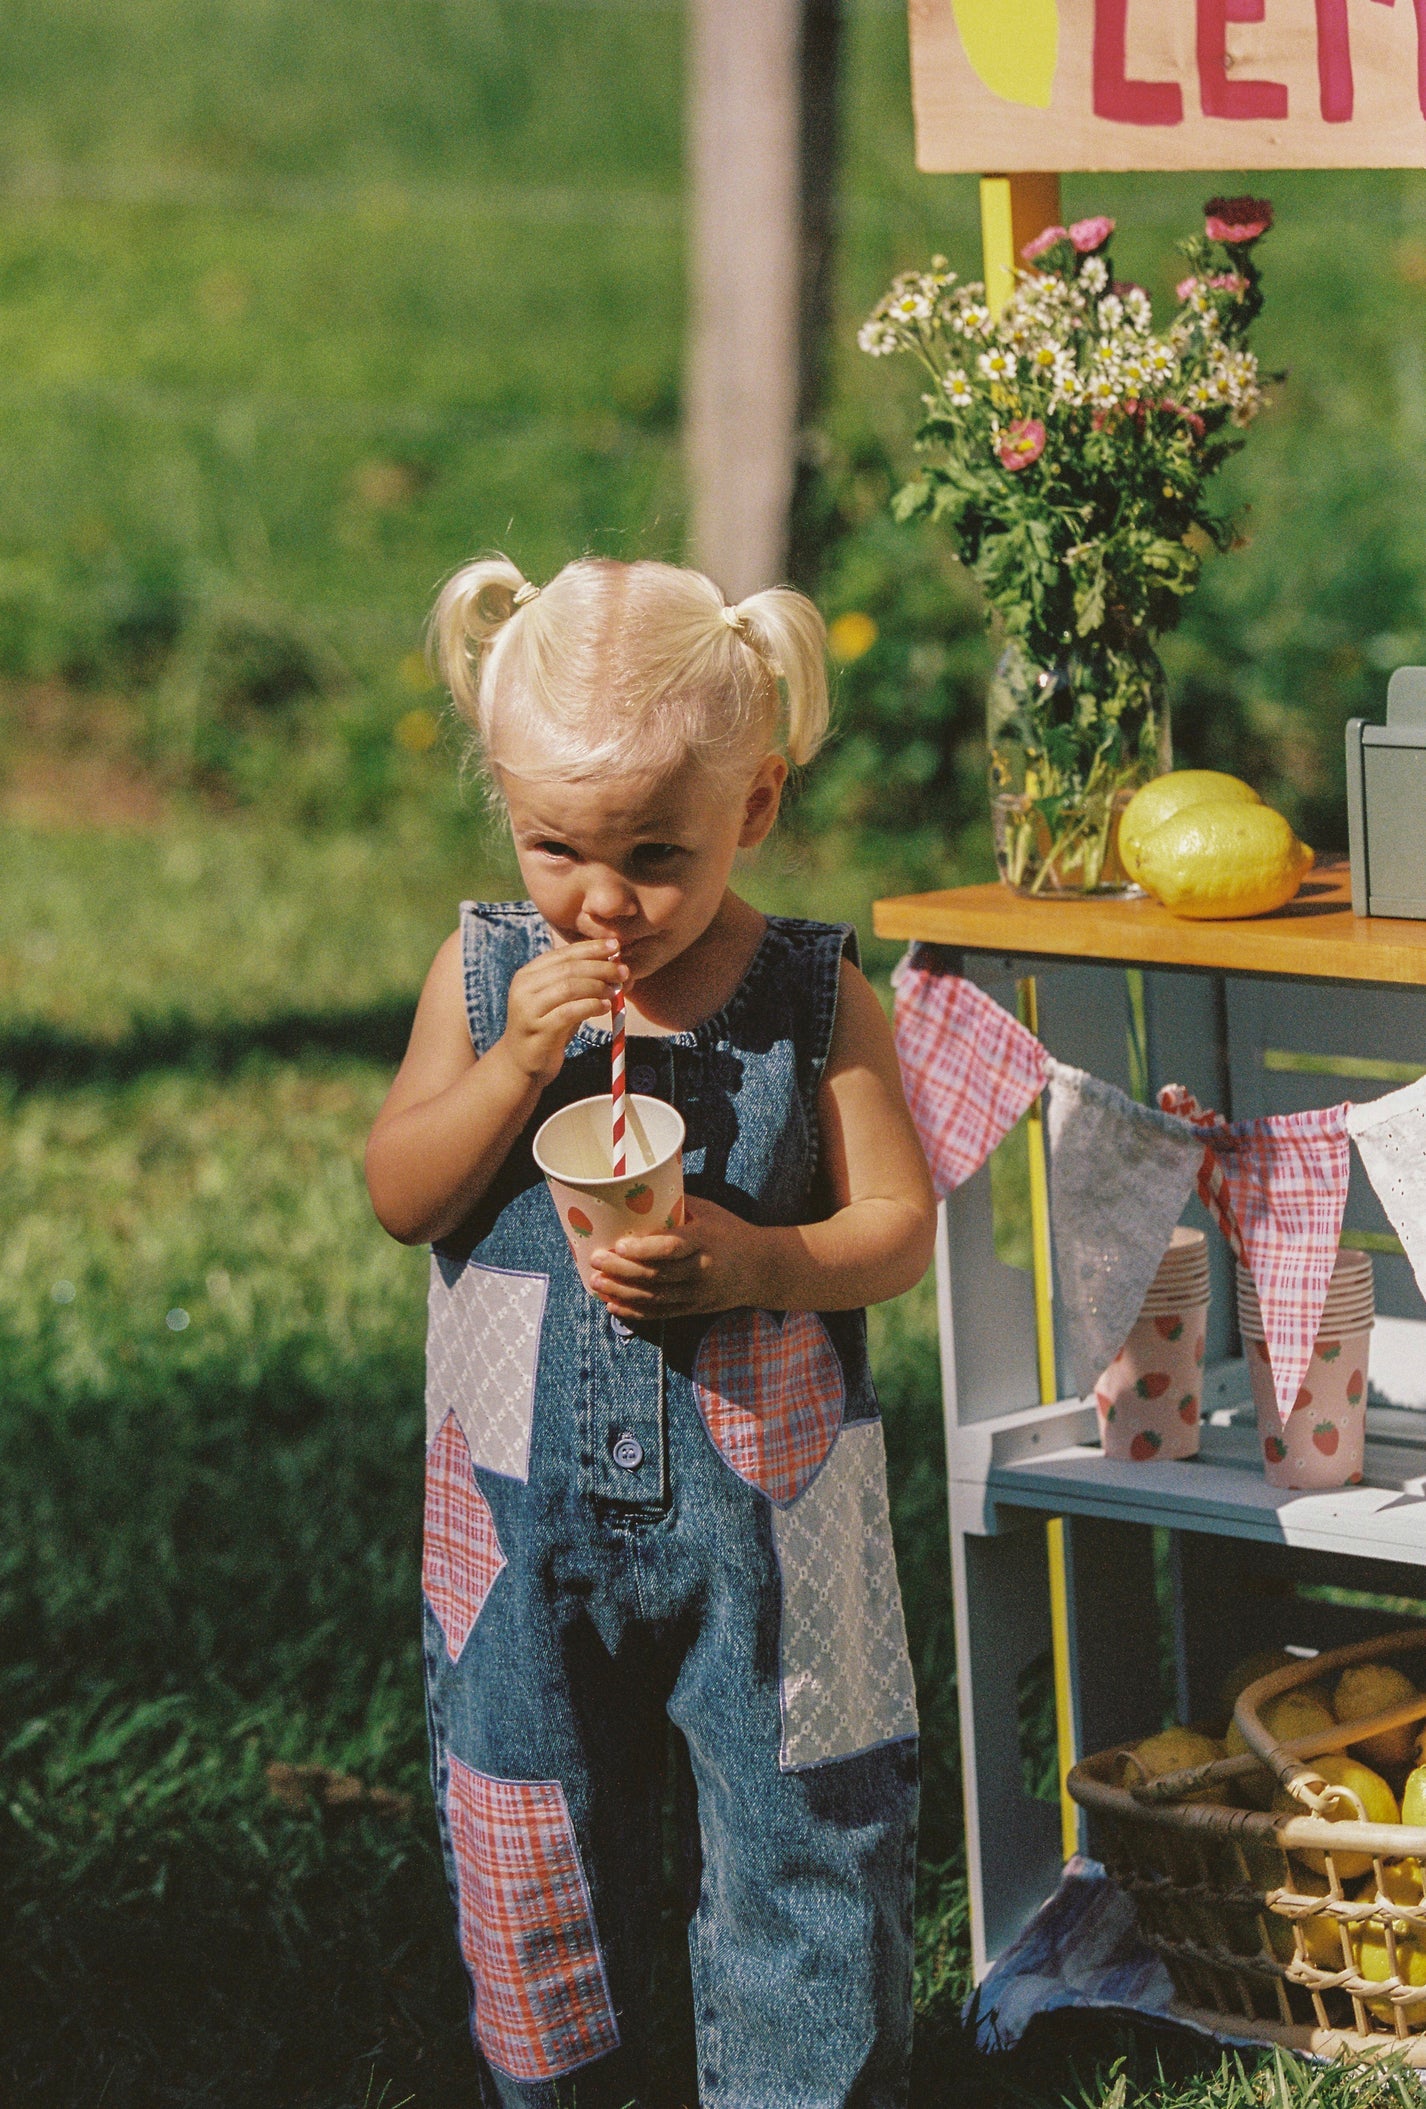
(1175, 1750)
(1159, 800)
(1304, 1712)
(1371, 1790)
(1370, 1688)
(1320, 1937)
(1220, 860)
(1251, 1667)
(1374, 1962)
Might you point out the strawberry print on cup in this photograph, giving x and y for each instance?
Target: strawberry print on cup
(1324, 1440)
(1149, 1398)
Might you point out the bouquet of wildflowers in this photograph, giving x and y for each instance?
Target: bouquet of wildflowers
(1069, 444)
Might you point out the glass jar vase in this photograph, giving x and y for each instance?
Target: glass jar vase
(1069, 745)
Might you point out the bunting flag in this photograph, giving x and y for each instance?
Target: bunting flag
(1277, 1188)
(1390, 1134)
(1120, 1176)
(968, 1068)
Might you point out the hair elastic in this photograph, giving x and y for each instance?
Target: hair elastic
(525, 593)
(733, 619)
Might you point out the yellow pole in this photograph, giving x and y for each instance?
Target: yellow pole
(1045, 1358)
(1013, 210)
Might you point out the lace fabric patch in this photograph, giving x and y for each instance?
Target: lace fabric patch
(772, 1396)
(461, 1554)
(846, 1673)
(542, 2004)
(482, 1352)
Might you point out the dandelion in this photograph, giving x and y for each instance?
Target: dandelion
(1021, 443)
(998, 365)
(176, 1320)
(958, 388)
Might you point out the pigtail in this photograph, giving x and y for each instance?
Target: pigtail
(786, 630)
(475, 605)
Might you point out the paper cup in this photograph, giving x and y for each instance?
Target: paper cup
(1323, 1441)
(573, 1150)
(1150, 1398)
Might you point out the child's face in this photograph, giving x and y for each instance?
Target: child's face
(645, 859)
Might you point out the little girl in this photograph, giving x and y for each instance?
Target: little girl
(666, 1500)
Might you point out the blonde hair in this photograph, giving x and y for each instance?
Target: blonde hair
(629, 668)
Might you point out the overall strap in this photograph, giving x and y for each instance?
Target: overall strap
(497, 939)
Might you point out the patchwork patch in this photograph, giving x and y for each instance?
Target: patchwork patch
(771, 1396)
(542, 2004)
(846, 1673)
(461, 1554)
(482, 1352)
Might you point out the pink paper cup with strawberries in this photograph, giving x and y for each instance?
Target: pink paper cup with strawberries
(1322, 1443)
(596, 1207)
(1150, 1398)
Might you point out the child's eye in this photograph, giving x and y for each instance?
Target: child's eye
(657, 852)
(555, 849)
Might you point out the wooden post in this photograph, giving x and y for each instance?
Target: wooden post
(745, 258)
(1013, 210)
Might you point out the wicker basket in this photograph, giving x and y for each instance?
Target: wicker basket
(1251, 1950)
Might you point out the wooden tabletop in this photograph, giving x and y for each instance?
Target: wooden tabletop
(1316, 937)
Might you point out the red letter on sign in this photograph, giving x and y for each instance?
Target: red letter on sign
(1334, 59)
(1222, 97)
(1126, 101)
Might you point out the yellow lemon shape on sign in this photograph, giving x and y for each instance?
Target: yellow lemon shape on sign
(1014, 46)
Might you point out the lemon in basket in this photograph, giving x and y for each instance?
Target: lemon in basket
(1221, 860)
(1157, 802)
(1320, 1938)
(1251, 1667)
(1373, 1960)
(1174, 1750)
(1371, 1688)
(1371, 1790)
(1303, 1712)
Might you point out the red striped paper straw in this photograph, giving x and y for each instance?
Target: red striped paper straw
(616, 1006)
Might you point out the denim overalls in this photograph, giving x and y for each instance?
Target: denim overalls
(687, 1522)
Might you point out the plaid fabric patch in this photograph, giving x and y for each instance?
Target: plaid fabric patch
(461, 1555)
(968, 1068)
(771, 1396)
(1277, 1189)
(542, 2004)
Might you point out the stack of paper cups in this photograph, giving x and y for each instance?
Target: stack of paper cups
(1150, 1397)
(1323, 1440)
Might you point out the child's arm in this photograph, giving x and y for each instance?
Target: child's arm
(449, 1120)
(878, 1241)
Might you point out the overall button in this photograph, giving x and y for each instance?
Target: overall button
(628, 1454)
(642, 1078)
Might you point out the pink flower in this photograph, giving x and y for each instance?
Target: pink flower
(1089, 235)
(1185, 288)
(1032, 251)
(1191, 418)
(1021, 443)
(1228, 282)
(1237, 221)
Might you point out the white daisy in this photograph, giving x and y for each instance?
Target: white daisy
(998, 364)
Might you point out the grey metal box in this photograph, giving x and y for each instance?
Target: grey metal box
(1386, 802)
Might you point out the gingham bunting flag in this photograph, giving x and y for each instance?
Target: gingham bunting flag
(969, 1068)
(1120, 1174)
(1277, 1188)
(1390, 1135)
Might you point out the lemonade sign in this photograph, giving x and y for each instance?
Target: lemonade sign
(1169, 84)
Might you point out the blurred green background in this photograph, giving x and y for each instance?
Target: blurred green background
(299, 306)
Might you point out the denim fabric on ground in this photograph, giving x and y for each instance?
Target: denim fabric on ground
(642, 1584)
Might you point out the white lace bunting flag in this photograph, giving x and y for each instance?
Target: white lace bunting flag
(1390, 1135)
(1120, 1174)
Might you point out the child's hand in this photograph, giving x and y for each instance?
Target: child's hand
(552, 997)
(707, 1265)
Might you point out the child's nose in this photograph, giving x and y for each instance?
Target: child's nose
(607, 899)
